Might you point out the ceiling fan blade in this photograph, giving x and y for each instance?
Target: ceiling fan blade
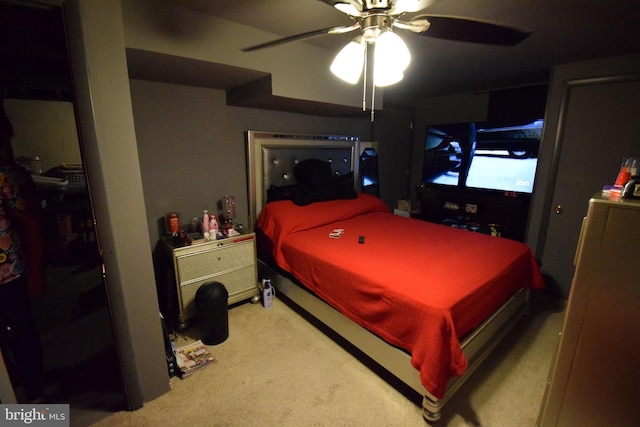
(304, 36)
(473, 30)
(415, 25)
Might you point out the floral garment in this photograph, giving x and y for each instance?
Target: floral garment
(15, 186)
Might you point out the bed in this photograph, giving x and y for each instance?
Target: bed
(425, 302)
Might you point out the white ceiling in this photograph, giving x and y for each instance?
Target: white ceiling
(562, 31)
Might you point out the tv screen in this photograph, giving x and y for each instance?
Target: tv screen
(473, 155)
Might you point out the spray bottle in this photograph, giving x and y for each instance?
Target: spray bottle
(267, 293)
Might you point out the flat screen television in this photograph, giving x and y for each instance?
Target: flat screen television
(477, 156)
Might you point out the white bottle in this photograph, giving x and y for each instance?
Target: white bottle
(267, 293)
(205, 224)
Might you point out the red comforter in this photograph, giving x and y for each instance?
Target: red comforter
(419, 286)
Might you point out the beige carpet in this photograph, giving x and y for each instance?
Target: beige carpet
(276, 369)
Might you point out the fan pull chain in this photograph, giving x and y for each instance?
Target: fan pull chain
(373, 102)
(373, 91)
(364, 85)
(364, 79)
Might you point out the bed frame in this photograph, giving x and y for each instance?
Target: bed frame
(271, 158)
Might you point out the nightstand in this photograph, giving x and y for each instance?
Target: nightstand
(230, 261)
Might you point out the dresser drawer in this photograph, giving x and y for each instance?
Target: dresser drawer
(195, 266)
(237, 283)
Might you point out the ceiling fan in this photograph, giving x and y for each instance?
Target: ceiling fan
(375, 20)
(374, 17)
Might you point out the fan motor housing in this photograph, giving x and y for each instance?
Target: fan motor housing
(375, 24)
(377, 4)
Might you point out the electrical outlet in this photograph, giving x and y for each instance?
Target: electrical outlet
(471, 208)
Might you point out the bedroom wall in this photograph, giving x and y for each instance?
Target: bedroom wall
(203, 134)
(44, 128)
(191, 147)
(168, 29)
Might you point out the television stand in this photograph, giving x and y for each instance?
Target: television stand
(496, 213)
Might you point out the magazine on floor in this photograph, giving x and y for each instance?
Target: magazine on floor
(192, 357)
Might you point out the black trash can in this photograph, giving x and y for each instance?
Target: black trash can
(213, 312)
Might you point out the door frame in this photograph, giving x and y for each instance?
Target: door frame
(566, 78)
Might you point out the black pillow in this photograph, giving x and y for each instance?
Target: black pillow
(314, 174)
(283, 192)
(345, 186)
(315, 183)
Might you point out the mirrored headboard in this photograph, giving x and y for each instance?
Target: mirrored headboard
(272, 156)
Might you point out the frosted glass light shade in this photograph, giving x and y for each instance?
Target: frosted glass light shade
(349, 61)
(412, 5)
(386, 76)
(391, 58)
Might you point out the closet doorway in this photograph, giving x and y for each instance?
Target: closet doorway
(82, 366)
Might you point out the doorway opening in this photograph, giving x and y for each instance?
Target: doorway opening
(73, 319)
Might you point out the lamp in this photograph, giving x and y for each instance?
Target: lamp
(229, 214)
(349, 62)
(391, 58)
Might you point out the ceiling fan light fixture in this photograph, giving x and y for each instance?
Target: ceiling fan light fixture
(404, 6)
(386, 76)
(348, 8)
(391, 48)
(391, 58)
(349, 62)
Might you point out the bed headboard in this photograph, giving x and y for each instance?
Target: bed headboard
(271, 158)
